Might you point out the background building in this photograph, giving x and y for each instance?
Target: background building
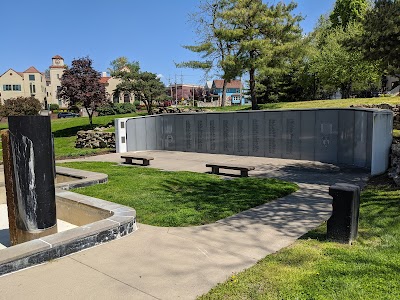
(29, 83)
(44, 87)
(185, 93)
(110, 84)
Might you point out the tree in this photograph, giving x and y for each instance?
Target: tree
(80, 86)
(126, 71)
(147, 88)
(261, 35)
(348, 11)
(341, 68)
(212, 49)
(21, 106)
(381, 38)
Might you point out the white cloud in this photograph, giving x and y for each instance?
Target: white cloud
(160, 76)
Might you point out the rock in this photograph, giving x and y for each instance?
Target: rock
(95, 139)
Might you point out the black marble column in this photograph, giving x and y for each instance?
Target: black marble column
(32, 158)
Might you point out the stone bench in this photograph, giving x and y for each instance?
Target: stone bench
(244, 170)
(145, 159)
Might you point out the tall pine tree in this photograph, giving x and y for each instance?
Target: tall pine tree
(259, 33)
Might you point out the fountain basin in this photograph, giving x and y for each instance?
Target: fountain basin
(98, 221)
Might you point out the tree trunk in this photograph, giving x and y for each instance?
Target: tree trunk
(252, 81)
(346, 90)
(90, 114)
(148, 106)
(223, 101)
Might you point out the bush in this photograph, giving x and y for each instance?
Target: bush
(54, 107)
(21, 106)
(116, 109)
(124, 108)
(106, 110)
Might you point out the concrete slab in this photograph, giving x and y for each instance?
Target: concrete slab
(182, 263)
(73, 281)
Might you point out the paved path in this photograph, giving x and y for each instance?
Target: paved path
(182, 263)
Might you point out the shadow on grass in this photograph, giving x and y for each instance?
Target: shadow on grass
(379, 210)
(71, 131)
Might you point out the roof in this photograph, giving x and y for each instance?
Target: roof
(32, 70)
(19, 73)
(58, 67)
(57, 57)
(104, 80)
(233, 84)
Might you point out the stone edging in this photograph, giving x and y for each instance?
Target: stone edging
(121, 221)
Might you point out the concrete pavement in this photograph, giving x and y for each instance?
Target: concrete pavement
(182, 263)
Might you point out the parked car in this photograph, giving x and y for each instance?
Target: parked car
(67, 115)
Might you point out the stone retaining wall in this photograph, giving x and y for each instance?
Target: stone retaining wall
(394, 171)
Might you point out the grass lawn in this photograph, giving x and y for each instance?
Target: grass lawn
(341, 103)
(65, 130)
(315, 269)
(180, 198)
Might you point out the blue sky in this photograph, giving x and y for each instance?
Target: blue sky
(151, 32)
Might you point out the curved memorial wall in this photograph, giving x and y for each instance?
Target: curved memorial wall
(354, 137)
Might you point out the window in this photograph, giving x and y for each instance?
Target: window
(32, 77)
(16, 87)
(33, 89)
(58, 76)
(7, 87)
(116, 98)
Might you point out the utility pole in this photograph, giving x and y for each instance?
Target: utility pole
(176, 92)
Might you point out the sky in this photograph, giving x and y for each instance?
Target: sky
(151, 32)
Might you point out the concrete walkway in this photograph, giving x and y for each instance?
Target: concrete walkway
(182, 263)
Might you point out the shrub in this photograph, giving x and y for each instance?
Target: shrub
(116, 109)
(124, 108)
(106, 110)
(21, 106)
(54, 107)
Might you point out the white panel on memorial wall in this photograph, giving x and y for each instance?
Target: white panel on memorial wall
(381, 141)
(120, 135)
(370, 129)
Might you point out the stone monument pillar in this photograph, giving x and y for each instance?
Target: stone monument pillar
(342, 226)
(29, 178)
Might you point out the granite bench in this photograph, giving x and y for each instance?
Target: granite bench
(145, 159)
(244, 170)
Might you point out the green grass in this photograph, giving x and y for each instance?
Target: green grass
(340, 103)
(180, 198)
(313, 268)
